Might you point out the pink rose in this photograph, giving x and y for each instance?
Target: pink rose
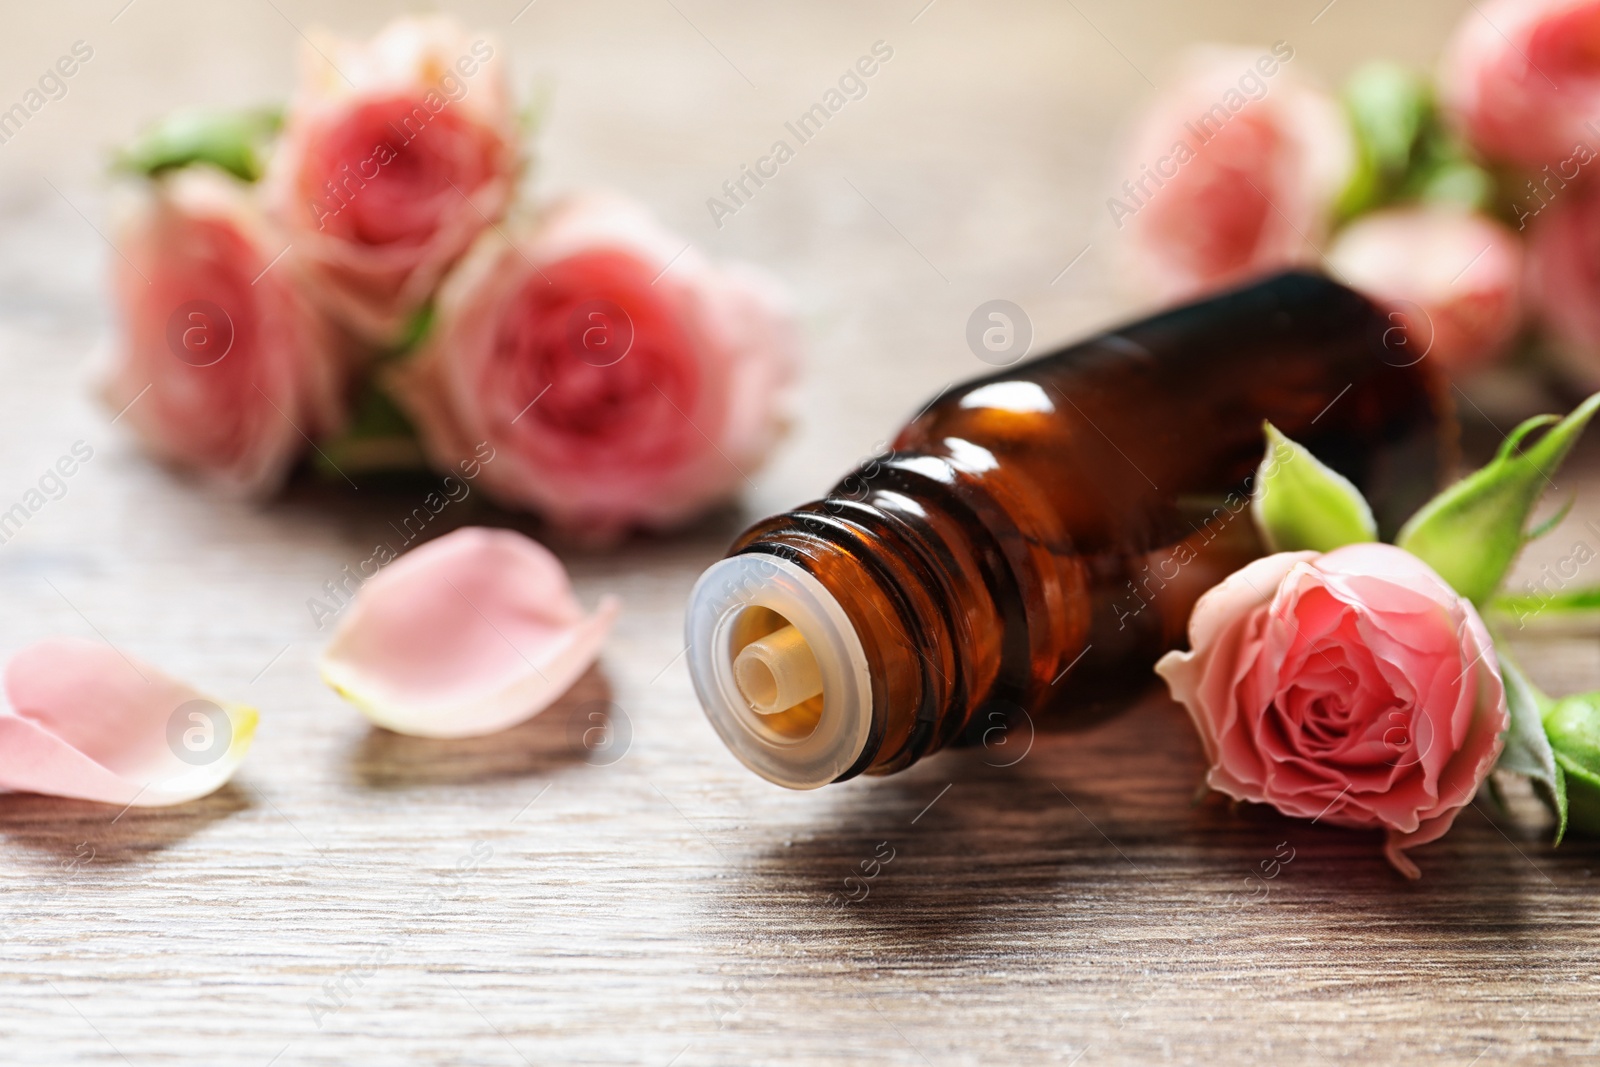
(1522, 79)
(391, 164)
(1232, 173)
(221, 366)
(1452, 277)
(620, 378)
(1564, 278)
(1354, 688)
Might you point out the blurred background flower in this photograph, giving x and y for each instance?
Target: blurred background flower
(1463, 206)
(1411, 258)
(221, 364)
(621, 378)
(1233, 173)
(1519, 79)
(396, 153)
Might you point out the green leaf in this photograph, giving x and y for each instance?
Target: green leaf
(1527, 748)
(1527, 605)
(1300, 503)
(235, 141)
(1471, 533)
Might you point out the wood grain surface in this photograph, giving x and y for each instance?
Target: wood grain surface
(524, 898)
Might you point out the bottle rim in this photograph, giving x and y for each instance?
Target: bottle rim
(723, 595)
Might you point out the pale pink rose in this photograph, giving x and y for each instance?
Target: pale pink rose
(1232, 173)
(1522, 79)
(467, 635)
(1354, 688)
(1564, 279)
(621, 379)
(220, 365)
(1451, 278)
(393, 159)
(84, 721)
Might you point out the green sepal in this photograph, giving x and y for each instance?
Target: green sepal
(235, 141)
(415, 331)
(1573, 727)
(1387, 105)
(378, 438)
(1300, 503)
(1454, 181)
(1583, 796)
(1536, 532)
(1471, 533)
(1528, 749)
(531, 119)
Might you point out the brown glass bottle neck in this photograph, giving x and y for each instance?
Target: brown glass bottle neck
(932, 591)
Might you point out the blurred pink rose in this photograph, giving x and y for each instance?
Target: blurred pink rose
(1522, 79)
(621, 379)
(1452, 278)
(1233, 172)
(391, 164)
(1564, 279)
(220, 366)
(1354, 688)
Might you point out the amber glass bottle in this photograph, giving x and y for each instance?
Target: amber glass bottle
(1036, 538)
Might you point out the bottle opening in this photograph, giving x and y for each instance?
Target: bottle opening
(776, 672)
(775, 675)
(779, 669)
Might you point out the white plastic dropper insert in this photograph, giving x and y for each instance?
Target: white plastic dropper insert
(778, 672)
(747, 615)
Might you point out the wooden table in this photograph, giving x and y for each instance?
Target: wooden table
(667, 906)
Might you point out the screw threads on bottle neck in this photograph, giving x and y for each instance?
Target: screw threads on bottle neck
(917, 584)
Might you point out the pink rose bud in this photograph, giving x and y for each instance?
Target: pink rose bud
(395, 154)
(220, 366)
(619, 377)
(1522, 79)
(1233, 172)
(1452, 279)
(1564, 279)
(1353, 688)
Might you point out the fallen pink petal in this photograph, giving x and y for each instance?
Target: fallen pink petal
(87, 722)
(469, 634)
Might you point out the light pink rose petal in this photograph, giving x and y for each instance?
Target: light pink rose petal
(85, 722)
(1188, 673)
(466, 635)
(1480, 718)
